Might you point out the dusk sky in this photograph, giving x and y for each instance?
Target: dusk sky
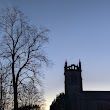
(79, 29)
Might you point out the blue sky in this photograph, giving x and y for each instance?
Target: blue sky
(79, 29)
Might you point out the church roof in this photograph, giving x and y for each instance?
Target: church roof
(97, 95)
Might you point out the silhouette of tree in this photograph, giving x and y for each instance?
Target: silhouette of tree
(29, 107)
(21, 48)
(3, 86)
(2, 89)
(31, 95)
(58, 103)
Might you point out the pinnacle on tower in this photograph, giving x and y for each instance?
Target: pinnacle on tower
(79, 64)
(65, 67)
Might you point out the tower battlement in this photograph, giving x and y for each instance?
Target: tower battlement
(72, 67)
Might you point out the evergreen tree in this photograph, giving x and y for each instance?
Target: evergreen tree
(58, 103)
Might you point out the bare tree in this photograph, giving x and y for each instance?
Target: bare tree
(4, 86)
(31, 95)
(22, 48)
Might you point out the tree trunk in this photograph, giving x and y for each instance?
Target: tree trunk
(15, 97)
(14, 84)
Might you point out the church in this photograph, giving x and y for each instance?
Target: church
(76, 98)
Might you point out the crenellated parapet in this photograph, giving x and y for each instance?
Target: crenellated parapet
(72, 67)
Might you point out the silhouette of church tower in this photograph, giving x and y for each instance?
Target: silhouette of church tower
(73, 86)
(76, 98)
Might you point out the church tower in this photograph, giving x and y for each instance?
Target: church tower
(73, 86)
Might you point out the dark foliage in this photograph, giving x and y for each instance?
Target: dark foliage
(58, 103)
